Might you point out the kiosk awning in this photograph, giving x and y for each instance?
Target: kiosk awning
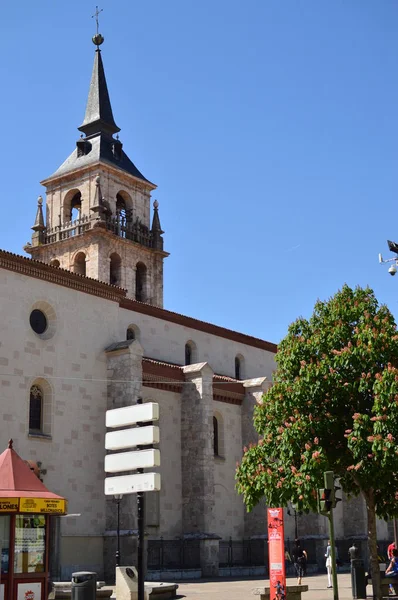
(21, 491)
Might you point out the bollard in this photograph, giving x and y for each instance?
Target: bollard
(358, 580)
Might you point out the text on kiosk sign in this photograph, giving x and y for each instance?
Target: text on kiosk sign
(50, 506)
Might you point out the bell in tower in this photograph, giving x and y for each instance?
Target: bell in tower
(98, 207)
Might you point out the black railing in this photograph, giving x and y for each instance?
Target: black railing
(173, 554)
(135, 231)
(243, 553)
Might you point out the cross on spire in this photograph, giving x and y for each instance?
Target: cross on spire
(96, 15)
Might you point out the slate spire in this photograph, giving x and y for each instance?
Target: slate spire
(99, 117)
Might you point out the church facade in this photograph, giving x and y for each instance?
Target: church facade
(97, 244)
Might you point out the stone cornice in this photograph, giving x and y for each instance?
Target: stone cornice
(94, 168)
(170, 377)
(58, 276)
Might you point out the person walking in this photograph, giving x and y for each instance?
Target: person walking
(299, 560)
(328, 556)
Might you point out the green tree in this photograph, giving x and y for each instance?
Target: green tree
(333, 406)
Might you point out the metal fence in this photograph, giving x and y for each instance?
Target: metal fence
(243, 553)
(173, 554)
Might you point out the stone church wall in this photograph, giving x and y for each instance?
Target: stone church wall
(229, 509)
(165, 341)
(70, 367)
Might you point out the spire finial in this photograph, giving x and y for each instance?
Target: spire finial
(10, 443)
(97, 38)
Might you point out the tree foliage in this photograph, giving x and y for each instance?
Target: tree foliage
(333, 406)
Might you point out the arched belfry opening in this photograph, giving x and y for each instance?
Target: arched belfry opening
(141, 282)
(79, 264)
(115, 269)
(76, 207)
(72, 206)
(123, 205)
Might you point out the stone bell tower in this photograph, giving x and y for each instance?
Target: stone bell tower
(98, 207)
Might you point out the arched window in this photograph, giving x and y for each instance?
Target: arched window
(141, 282)
(79, 265)
(215, 436)
(54, 263)
(132, 332)
(239, 367)
(40, 408)
(218, 434)
(190, 353)
(115, 269)
(36, 409)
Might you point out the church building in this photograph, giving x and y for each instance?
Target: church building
(98, 244)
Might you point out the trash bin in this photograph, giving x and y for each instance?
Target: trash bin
(358, 579)
(84, 585)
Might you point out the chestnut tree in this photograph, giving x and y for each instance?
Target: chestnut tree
(333, 406)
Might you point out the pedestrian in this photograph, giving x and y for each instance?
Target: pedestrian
(300, 560)
(390, 549)
(328, 556)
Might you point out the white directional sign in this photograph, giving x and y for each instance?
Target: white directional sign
(129, 415)
(128, 461)
(128, 438)
(132, 484)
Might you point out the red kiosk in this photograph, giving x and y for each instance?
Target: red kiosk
(25, 506)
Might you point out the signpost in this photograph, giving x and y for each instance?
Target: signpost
(142, 437)
(276, 552)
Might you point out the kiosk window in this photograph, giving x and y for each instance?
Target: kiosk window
(4, 541)
(30, 543)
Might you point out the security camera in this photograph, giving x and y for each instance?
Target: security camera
(392, 270)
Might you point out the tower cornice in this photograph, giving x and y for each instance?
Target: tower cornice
(93, 169)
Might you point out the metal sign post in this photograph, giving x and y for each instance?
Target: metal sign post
(142, 437)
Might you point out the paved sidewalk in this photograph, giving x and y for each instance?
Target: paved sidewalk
(223, 589)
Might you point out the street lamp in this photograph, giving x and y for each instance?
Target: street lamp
(393, 247)
(296, 514)
(118, 498)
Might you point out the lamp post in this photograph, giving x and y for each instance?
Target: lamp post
(296, 513)
(393, 247)
(118, 498)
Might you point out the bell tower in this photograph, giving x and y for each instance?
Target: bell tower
(97, 211)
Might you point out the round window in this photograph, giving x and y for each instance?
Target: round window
(38, 321)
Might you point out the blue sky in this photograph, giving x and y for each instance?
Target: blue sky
(270, 128)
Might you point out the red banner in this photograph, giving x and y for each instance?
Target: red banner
(276, 553)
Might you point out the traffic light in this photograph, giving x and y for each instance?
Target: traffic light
(335, 500)
(325, 504)
(329, 478)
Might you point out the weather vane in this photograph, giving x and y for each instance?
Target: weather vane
(96, 15)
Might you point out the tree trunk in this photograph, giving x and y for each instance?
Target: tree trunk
(372, 544)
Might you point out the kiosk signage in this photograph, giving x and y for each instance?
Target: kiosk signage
(276, 552)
